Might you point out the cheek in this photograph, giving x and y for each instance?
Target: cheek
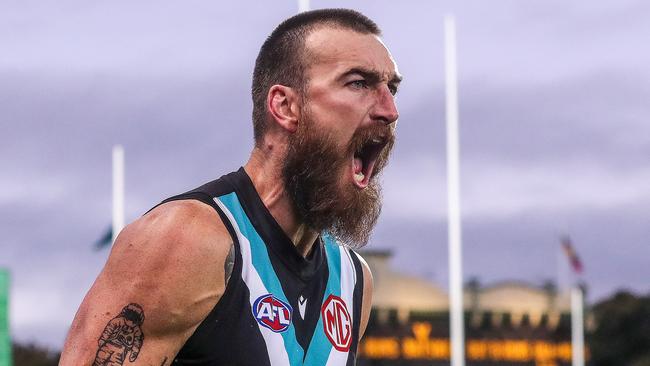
(339, 136)
(341, 114)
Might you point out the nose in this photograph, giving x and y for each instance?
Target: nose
(384, 110)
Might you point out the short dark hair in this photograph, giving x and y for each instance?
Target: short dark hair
(282, 58)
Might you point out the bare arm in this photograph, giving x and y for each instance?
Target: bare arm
(163, 276)
(366, 305)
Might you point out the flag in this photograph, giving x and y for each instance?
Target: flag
(106, 239)
(571, 254)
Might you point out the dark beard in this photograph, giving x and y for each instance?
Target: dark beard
(317, 178)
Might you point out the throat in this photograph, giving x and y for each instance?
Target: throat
(274, 196)
(304, 240)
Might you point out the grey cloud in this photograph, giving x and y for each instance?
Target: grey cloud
(548, 85)
(599, 118)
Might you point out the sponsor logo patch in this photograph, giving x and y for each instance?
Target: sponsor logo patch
(272, 313)
(337, 323)
(302, 305)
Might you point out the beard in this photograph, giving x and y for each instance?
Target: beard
(318, 180)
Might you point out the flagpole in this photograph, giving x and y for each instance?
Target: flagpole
(456, 326)
(577, 327)
(118, 190)
(303, 6)
(563, 272)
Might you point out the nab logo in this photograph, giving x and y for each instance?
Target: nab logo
(272, 313)
(337, 323)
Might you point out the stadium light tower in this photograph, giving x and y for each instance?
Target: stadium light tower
(577, 327)
(303, 6)
(456, 323)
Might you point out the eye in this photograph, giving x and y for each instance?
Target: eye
(358, 84)
(393, 89)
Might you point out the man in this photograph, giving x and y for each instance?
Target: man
(247, 270)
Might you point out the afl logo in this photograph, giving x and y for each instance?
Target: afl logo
(272, 313)
(337, 323)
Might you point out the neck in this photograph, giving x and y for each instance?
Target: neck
(265, 170)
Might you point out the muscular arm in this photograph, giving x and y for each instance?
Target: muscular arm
(366, 305)
(170, 262)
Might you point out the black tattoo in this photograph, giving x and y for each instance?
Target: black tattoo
(122, 334)
(229, 264)
(164, 362)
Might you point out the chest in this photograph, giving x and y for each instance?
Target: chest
(272, 313)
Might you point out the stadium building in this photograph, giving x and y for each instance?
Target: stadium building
(507, 323)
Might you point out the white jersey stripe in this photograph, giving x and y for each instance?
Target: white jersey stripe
(354, 269)
(348, 281)
(273, 341)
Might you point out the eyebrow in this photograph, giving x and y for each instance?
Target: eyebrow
(372, 76)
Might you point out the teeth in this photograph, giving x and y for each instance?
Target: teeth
(359, 177)
(376, 141)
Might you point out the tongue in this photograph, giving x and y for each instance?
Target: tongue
(358, 165)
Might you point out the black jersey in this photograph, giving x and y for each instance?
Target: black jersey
(278, 308)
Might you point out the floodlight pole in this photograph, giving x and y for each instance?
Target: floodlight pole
(118, 190)
(303, 6)
(577, 327)
(456, 326)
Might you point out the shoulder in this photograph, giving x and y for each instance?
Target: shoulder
(186, 228)
(178, 220)
(186, 237)
(173, 255)
(170, 263)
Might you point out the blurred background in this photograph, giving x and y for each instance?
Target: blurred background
(555, 142)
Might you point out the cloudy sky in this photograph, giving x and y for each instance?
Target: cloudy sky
(555, 134)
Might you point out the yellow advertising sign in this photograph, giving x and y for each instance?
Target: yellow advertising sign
(422, 347)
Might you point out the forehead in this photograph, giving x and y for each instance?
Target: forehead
(336, 50)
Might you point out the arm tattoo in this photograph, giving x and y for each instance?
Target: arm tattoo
(121, 336)
(229, 263)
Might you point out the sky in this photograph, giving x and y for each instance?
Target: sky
(554, 138)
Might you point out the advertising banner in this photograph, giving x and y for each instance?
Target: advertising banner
(5, 339)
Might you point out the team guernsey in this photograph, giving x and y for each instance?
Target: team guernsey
(279, 308)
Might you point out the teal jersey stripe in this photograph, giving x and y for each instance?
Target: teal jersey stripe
(320, 347)
(263, 266)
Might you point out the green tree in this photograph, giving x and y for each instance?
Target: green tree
(622, 332)
(33, 355)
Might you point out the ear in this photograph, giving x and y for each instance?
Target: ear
(283, 103)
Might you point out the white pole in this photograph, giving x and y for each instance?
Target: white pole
(303, 6)
(563, 274)
(456, 326)
(577, 331)
(118, 190)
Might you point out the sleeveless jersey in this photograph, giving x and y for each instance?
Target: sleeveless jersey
(279, 308)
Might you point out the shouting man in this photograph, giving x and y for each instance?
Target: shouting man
(254, 268)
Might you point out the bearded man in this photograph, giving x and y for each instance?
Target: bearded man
(255, 268)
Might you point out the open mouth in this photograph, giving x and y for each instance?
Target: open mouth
(364, 159)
